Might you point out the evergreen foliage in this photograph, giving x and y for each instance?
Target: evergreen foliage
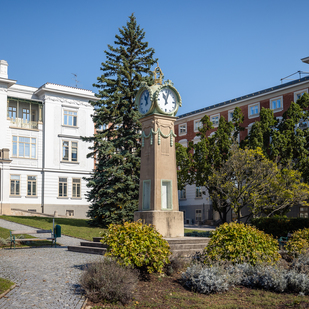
(284, 140)
(280, 226)
(114, 184)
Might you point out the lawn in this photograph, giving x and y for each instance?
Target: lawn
(5, 285)
(166, 293)
(5, 234)
(71, 227)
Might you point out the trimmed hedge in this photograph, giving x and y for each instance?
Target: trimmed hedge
(280, 226)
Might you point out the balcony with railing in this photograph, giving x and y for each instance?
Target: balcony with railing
(24, 114)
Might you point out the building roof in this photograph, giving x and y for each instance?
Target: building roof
(300, 80)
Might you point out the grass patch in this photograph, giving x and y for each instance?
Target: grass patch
(198, 233)
(5, 285)
(5, 234)
(71, 227)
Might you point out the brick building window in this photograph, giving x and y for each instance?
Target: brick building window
(276, 104)
(215, 120)
(299, 94)
(197, 125)
(254, 110)
(182, 129)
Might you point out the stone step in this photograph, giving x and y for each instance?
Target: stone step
(187, 240)
(96, 239)
(188, 246)
(93, 244)
(186, 252)
(85, 249)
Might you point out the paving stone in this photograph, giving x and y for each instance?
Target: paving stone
(46, 278)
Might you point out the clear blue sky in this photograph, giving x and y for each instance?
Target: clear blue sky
(212, 50)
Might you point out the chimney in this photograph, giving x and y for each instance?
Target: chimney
(3, 69)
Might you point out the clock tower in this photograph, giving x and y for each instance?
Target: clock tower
(158, 193)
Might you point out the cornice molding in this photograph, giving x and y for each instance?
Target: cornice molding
(62, 100)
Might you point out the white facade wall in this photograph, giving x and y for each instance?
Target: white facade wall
(49, 131)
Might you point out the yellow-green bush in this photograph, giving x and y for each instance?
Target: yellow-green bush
(138, 245)
(238, 243)
(299, 242)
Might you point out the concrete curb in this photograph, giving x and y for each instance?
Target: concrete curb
(7, 291)
(84, 304)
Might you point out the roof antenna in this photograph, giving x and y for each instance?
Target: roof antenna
(75, 79)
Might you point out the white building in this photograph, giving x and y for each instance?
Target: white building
(42, 157)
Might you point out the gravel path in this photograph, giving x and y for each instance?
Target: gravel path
(46, 277)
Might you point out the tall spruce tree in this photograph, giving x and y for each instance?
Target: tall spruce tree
(114, 184)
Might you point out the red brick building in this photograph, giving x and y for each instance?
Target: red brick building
(197, 207)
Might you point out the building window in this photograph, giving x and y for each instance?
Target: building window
(69, 151)
(230, 115)
(24, 147)
(31, 186)
(276, 104)
(15, 185)
(63, 187)
(12, 112)
(215, 120)
(102, 127)
(198, 192)
(183, 143)
(198, 215)
(26, 115)
(70, 118)
(76, 187)
(166, 194)
(299, 94)
(254, 110)
(197, 125)
(303, 212)
(182, 129)
(69, 213)
(183, 193)
(250, 127)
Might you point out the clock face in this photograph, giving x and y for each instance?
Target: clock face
(167, 100)
(144, 102)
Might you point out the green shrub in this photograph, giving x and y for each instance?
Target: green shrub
(280, 226)
(138, 245)
(107, 281)
(238, 243)
(199, 234)
(299, 243)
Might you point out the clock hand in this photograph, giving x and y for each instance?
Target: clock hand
(146, 98)
(165, 98)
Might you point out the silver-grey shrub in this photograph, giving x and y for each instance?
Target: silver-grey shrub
(219, 278)
(207, 280)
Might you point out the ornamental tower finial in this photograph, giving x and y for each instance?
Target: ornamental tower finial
(158, 75)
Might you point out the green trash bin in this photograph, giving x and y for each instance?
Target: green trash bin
(57, 231)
